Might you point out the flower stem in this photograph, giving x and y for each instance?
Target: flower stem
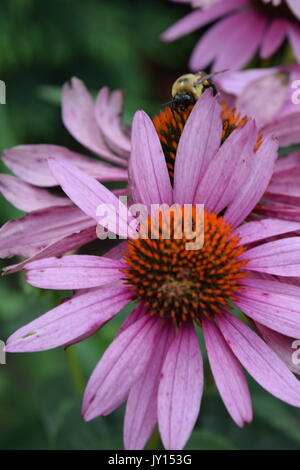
(154, 442)
(75, 370)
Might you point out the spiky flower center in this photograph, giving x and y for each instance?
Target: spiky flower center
(275, 8)
(169, 125)
(183, 284)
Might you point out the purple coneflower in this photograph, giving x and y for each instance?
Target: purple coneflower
(97, 126)
(155, 361)
(267, 95)
(242, 27)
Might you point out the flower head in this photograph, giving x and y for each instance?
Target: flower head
(155, 361)
(240, 29)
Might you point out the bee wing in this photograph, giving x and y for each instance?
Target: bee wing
(207, 76)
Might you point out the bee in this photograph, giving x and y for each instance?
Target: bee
(188, 88)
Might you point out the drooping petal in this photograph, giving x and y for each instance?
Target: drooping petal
(254, 188)
(243, 32)
(285, 187)
(234, 82)
(200, 18)
(228, 375)
(73, 272)
(90, 196)
(30, 163)
(139, 312)
(274, 37)
(284, 346)
(117, 252)
(148, 174)
(180, 389)
(271, 90)
(281, 257)
(204, 130)
(70, 243)
(108, 112)
(141, 409)
(259, 360)
(280, 312)
(265, 228)
(27, 197)
(78, 114)
(120, 367)
(79, 316)
(286, 164)
(285, 129)
(39, 229)
(282, 211)
(228, 169)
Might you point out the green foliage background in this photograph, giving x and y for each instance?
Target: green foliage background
(103, 42)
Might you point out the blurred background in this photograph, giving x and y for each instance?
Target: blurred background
(114, 43)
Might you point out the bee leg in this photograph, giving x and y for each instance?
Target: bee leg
(214, 89)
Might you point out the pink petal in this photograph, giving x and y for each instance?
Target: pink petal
(259, 360)
(78, 114)
(75, 318)
(200, 18)
(228, 170)
(148, 173)
(235, 82)
(180, 389)
(294, 37)
(285, 129)
(39, 229)
(26, 197)
(139, 312)
(281, 312)
(263, 98)
(282, 211)
(285, 187)
(273, 37)
(118, 251)
(228, 374)
(282, 346)
(30, 163)
(290, 162)
(281, 257)
(199, 141)
(258, 230)
(70, 243)
(268, 283)
(120, 367)
(73, 272)
(89, 196)
(243, 32)
(294, 6)
(141, 409)
(252, 191)
(108, 112)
